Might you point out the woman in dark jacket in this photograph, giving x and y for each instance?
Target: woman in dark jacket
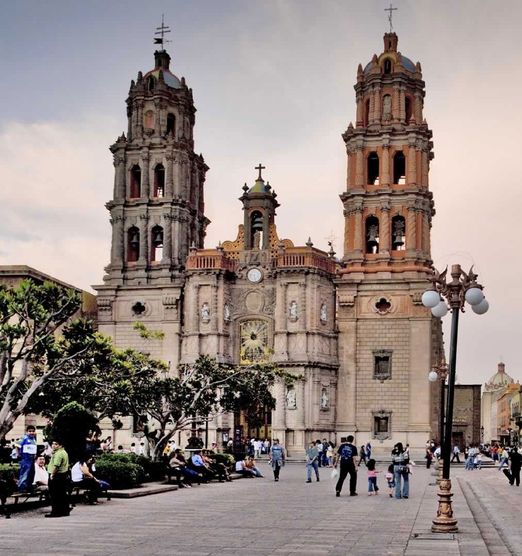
(400, 461)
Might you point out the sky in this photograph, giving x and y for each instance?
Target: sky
(273, 83)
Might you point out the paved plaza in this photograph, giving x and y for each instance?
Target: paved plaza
(260, 517)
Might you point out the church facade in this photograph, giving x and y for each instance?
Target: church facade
(353, 328)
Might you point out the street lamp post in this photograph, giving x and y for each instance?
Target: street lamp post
(462, 288)
(440, 372)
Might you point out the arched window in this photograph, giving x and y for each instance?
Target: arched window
(398, 233)
(135, 182)
(387, 66)
(408, 109)
(399, 168)
(372, 235)
(159, 181)
(171, 124)
(148, 119)
(367, 112)
(373, 169)
(133, 244)
(156, 243)
(256, 230)
(150, 83)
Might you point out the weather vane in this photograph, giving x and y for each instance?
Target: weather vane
(391, 9)
(161, 31)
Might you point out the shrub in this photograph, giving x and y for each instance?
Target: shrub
(227, 459)
(8, 478)
(118, 472)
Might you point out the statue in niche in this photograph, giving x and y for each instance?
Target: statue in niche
(386, 108)
(325, 398)
(205, 312)
(292, 310)
(291, 402)
(323, 313)
(256, 244)
(226, 312)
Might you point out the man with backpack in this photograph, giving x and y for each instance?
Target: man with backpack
(346, 455)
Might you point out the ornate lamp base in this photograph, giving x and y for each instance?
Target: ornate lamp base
(444, 522)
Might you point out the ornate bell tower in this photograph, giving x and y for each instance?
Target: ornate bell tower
(157, 208)
(387, 340)
(157, 212)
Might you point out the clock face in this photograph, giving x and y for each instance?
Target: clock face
(255, 275)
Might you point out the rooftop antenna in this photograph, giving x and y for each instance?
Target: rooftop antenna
(161, 31)
(391, 9)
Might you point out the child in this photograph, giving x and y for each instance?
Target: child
(372, 478)
(391, 480)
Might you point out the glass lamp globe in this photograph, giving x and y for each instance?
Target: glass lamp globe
(440, 310)
(433, 376)
(474, 296)
(481, 308)
(430, 299)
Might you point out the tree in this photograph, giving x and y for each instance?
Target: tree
(71, 426)
(207, 387)
(31, 348)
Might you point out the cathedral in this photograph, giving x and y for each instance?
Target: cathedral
(353, 328)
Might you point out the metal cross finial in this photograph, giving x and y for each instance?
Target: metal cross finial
(161, 31)
(391, 9)
(260, 167)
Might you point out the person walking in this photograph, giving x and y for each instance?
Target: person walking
(277, 458)
(516, 461)
(312, 455)
(362, 456)
(59, 481)
(345, 457)
(504, 458)
(400, 471)
(456, 453)
(372, 477)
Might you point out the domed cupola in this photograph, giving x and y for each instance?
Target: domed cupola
(499, 379)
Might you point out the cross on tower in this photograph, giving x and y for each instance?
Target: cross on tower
(161, 31)
(260, 167)
(391, 9)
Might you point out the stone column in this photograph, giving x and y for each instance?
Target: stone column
(278, 417)
(385, 168)
(412, 166)
(377, 105)
(119, 176)
(424, 169)
(418, 107)
(144, 239)
(359, 166)
(402, 105)
(139, 120)
(385, 244)
(145, 178)
(420, 228)
(169, 178)
(360, 110)
(396, 113)
(195, 309)
(411, 232)
(167, 239)
(358, 241)
(175, 239)
(117, 240)
(371, 116)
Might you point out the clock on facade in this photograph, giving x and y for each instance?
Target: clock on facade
(255, 275)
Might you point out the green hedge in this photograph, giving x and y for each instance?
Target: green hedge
(118, 472)
(9, 474)
(227, 459)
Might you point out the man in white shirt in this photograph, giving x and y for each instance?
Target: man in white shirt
(41, 476)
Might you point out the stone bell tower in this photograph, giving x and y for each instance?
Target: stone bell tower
(156, 213)
(387, 339)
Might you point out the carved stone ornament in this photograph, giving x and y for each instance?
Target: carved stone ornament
(226, 313)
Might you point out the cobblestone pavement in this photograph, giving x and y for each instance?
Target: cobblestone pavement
(261, 517)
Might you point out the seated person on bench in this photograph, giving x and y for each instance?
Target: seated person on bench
(82, 475)
(196, 462)
(41, 475)
(179, 468)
